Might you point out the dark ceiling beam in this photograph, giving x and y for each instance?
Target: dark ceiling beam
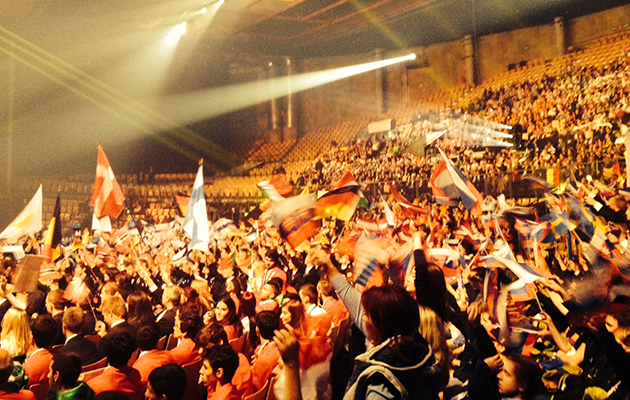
(325, 9)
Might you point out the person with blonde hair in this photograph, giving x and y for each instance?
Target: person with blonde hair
(16, 334)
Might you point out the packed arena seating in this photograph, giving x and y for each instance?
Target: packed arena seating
(490, 300)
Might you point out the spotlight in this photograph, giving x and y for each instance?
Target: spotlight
(221, 2)
(176, 33)
(204, 10)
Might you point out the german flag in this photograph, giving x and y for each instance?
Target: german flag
(52, 241)
(341, 201)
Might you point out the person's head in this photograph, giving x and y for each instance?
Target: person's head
(292, 313)
(248, 304)
(325, 289)
(55, 302)
(171, 296)
(64, 370)
(139, 308)
(167, 382)
(16, 333)
(267, 323)
(73, 320)
(219, 365)
(225, 311)
(271, 258)
(389, 311)
(6, 366)
(119, 349)
(114, 309)
(308, 294)
(211, 335)
(520, 376)
(188, 323)
(109, 289)
(43, 329)
(148, 337)
(617, 203)
(269, 291)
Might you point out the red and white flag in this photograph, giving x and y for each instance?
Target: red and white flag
(108, 199)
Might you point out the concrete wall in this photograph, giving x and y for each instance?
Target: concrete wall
(356, 96)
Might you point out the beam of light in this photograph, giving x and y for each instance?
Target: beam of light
(176, 33)
(135, 113)
(200, 105)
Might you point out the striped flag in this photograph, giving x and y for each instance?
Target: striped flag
(370, 257)
(405, 205)
(450, 183)
(277, 188)
(182, 203)
(342, 199)
(28, 221)
(52, 241)
(108, 199)
(196, 221)
(295, 218)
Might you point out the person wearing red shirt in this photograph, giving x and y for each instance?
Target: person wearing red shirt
(37, 364)
(6, 370)
(150, 358)
(187, 324)
(266, 356)
(118, 376)
(219, 365)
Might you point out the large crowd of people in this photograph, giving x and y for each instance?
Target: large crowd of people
(402, 301)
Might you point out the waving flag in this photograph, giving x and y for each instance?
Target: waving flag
(370, 258)
(52, 241)
(295, 218)
(342, 199)
(28, 221)
(449, 182)
(405, 205)
(108, 199)
(196, 221)
(277, 188)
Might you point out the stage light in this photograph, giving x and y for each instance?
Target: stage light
(176, 33)
(196, 106)
(221, 2)
(204, 10)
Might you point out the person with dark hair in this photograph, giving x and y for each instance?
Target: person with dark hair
(64, 374)
(513, 376)
(139, 309)
(266, 356)
(6, 370)
(219, 365)
(329, 301)
(214, 335)
(36, 366)
(118, 376)
(269, 291)
(308, 295)
(73, 322)
(225, 314)
(167, 382)
(399, 359)
(150, 357)
(273, 267)
(187, 324)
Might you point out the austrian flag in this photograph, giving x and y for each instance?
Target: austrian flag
(108, 199)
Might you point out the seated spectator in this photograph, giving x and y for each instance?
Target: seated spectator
(171, 299)
(38, 363)
(150, 358)
(187, 325)
(6, 370)
(73, 322)
(114, 312)
(118, 376)
(267, 297)
(55, 305)
(266, 356)
(225, 314)
(16, 334)
(329, 301)
(219, 365)
(64, 375)
(214, 335)
(167, 382)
